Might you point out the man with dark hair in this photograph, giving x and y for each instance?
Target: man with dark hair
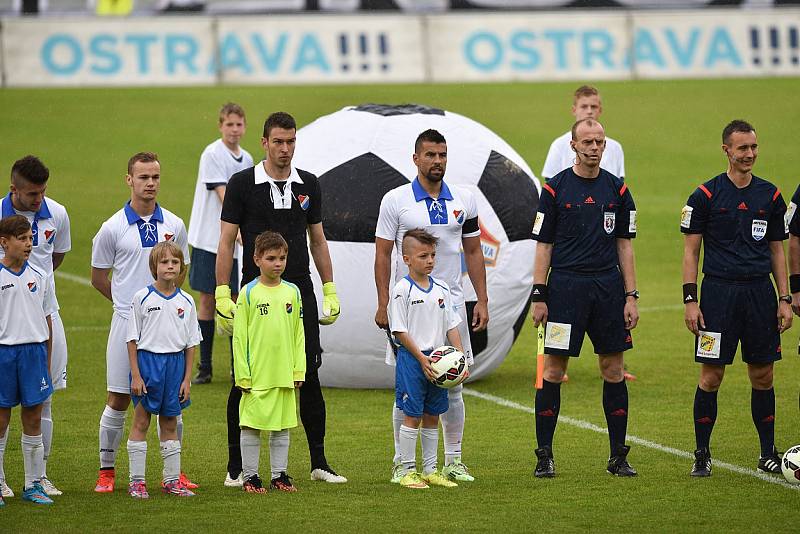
(584, 282)
(51, 241)
(274, 195)
(739, 218)
(451, 214)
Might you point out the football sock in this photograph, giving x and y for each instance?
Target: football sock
(137, 456)
(762, 407)
(397, 421)
(705, 415)
(234, 444)
(615, 406)
(3, 440)
(278, 452)
(250, 446)
(206, 345)
(112, 425)
(430, 446)
(408, 447)
(453, 425)
(312, 414)
(47, 431)
(32, 452)
(171, 453)
(547, 404)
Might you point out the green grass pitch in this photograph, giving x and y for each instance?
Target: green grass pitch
(670, 131)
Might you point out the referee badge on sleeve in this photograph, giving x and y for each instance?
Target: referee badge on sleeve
(787, 218)
(537, 223)
(609, 220)
(686, 216)
(708, 344)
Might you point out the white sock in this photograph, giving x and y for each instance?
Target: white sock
(112, 425)
(453, 425)
(137, 455)
(250, 443)
(3, 440)
(408, 447)
(278, 452)
(397, 421)
(47, 431)
(430, 449)
(171, 453)
(179, 428)
(32, 452)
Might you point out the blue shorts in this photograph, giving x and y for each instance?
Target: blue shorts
(162, 375)
(202, 272)
(736, 311)
(24, 376)
(592, 303)
(415, 394)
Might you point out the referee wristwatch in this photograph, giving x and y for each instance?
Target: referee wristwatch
(634, 293)
(785, 298)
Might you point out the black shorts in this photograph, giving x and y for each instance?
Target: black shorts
(591, 303)
(736, 311)
(202, 272)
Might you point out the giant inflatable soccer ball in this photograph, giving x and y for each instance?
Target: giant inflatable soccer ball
(360, 153)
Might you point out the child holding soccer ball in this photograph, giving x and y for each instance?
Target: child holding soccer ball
(162, 335)
(269, 361)
(421, 317)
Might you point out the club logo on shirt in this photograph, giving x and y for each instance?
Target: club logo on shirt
(288, 307)
(609, 220)
(180, 313)
(441, 303)
(459, 215)
(168, 237)
(304, 201)
(32, 286)
(759, 229)
(50, 236)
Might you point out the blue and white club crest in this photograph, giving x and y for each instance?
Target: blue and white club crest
(609, 221)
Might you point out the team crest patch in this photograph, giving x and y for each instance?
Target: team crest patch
(459, 215)
(50, 236)
(288, 307)
(759, 229)
(557, 335)
(441, 303)
(180, 313)
(304, 201)
(609, 220)
(168, 237)
(32, 287)
(708, 344)
(686, 216)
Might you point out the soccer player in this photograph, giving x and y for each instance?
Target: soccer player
(421, 318)
(739, 218)
(162, 336)
(584, 227)
(274, 195)
(26, 303)
(220, 160)
(269, 354)
(586, 104)
(51, 242)
(121, 248)
(450, 213)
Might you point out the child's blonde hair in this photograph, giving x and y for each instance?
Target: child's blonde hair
(160, 251)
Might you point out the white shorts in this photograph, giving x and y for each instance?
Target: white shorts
(463, 332)
(118, 367)
(58, 359)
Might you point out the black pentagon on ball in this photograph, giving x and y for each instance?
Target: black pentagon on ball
(512, 195)
(352, 195)
(387, 110)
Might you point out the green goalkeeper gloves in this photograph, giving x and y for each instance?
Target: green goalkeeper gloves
(330, 304)
(226, 308)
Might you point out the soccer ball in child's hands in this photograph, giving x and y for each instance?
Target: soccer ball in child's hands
(790, 465)
(449, 366)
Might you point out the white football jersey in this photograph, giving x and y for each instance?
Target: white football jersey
(163, 323)
(426, 315)
(217, 165)
(409, 206)
(560, 156)
(123, 244)
(26, 299)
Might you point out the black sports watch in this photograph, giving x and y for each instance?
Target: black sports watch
(634, 294)
(785, 298)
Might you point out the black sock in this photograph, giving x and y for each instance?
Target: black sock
(206, 346)
(548, 404)
(234, 433)
(705, 415)
(762, 407)
(615, 406)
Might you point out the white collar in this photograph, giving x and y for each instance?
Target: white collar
(262, 176)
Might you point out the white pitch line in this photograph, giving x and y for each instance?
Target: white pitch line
(633, 439)
(74, 278)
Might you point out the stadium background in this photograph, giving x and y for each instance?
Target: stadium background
(670, 130)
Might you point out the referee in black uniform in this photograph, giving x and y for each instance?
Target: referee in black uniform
(275, 196)
(584, 227)
(739, 218)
